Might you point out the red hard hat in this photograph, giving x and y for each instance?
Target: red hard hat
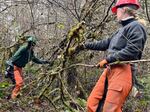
(125, 2)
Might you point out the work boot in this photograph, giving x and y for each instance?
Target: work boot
(14, 96)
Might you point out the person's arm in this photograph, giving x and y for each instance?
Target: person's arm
(135, 44)
(101, 45)
(39, 61)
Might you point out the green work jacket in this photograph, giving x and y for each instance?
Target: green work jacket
(23, 55)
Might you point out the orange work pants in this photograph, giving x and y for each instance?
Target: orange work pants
(19, 81)
(119, 85)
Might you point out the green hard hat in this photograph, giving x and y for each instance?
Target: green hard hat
(32, 39)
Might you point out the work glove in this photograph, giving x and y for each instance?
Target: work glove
(80, 47)
(48, 62)
(102, 64)
(76, 50)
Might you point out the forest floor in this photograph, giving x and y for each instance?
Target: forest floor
(30, 104)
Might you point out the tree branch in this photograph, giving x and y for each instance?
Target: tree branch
(7, 8)
(107, 13)
(147, 10)
(131, 62)
(31, 28)
(32, 15)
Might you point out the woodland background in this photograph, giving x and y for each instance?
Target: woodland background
(63, 87)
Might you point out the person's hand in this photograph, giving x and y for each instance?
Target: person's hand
(49, 62)
(80, 47)
(76, 49)
(102, 64)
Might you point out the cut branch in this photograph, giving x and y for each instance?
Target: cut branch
(134, 61)
(117, 62)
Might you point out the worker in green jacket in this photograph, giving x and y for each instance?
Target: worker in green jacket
(22, 56)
